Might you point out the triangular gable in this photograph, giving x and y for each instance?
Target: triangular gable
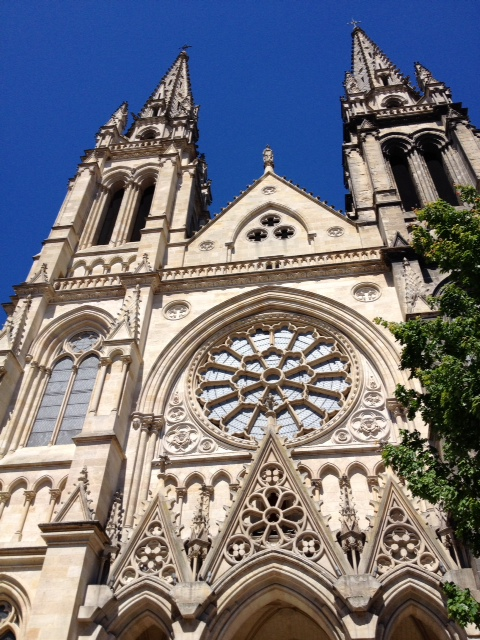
(273, 511)
(271, 178)
(76, 508)
(126, 324)
(399, 241)
(153, 550)
(400, 538)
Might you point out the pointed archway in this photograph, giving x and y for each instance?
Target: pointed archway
(280, 621)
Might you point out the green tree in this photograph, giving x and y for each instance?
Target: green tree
(443, 354)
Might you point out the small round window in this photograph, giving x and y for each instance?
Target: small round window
(283, 233)
(270, 220)
(257, 235)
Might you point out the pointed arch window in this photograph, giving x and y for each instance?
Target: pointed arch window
(434, 161)
(142, 213)
(110, 218)
(64, 405)
(403, 178)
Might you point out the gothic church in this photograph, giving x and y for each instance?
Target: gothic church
(192, 409)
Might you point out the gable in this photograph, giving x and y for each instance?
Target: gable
(272, 218)
(273, 511)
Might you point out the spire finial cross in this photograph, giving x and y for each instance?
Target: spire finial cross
(354, 23)
(185, 47)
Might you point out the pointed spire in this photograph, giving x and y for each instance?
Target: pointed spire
(424, 76)
(173, 96)
(370, 66)
(119, 118)
(113, 129)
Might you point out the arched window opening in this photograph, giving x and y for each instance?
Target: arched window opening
(403, 179)
(433, 159)
(142, 213)
(52, 401)
(393, 103)
(67, 395)
(110, 218)
(77, 404)
(8, 635)
(151, 134)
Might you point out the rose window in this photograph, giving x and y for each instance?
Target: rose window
(282, 373)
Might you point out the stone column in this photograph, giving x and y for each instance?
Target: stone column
(149, 455)
(29, 498)
(54, 496)
(127, 211)
(469, 147)
(143, 423)
(4, 498)
(421, 177)
(94, 219)
(155, 235)
(455, 166)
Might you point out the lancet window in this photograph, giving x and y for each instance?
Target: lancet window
(142, 213)
(110, 218)
(403, 178)
(65, 401)
(433, 159)
(419, 172)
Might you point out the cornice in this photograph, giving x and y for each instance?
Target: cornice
(345, 263)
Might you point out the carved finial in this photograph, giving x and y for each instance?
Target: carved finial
(268, 159)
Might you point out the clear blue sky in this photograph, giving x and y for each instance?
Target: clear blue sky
(262, 71)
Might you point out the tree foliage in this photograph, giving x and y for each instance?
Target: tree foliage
(443, 354)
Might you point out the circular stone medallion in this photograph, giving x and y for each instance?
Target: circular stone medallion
(176, 310)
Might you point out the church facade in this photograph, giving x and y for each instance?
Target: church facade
(193, 409)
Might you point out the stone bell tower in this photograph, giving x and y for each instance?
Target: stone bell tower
(403, 146)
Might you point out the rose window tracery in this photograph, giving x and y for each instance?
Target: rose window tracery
(292, 370)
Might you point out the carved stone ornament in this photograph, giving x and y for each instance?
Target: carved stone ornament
(268, 190)
(401, 544)
(366, 292)
(207, 245)
(369, 425)
(273, 517)
(206, 445)
(152, 556)
(335, 232)
(373, 399)
(293, 370)
(176, 310)
(176, 414)
(82, 342)
(181, 438)
(342, 436)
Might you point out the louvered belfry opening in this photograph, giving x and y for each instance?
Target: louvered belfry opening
(110, 218)
(142, 214)
(403, 179)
